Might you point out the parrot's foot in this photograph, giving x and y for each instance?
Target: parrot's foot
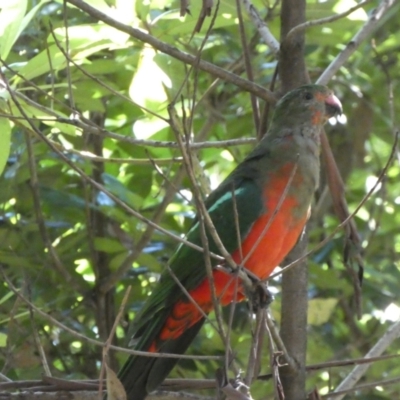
(231, 388)
(259, 297)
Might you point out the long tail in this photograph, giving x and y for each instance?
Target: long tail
(141, 375)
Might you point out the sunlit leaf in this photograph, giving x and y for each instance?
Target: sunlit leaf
(320, 310)
(5, 138)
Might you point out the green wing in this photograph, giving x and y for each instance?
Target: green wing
(188, 263)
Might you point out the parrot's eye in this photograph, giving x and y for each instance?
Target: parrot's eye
(308, 96)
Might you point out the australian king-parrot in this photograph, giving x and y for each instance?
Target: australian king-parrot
(271, 191)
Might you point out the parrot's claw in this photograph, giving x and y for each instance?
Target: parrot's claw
(259, 297)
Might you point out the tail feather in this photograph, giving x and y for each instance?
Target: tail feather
(141, 375)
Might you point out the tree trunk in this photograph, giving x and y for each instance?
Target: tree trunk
(293, 73)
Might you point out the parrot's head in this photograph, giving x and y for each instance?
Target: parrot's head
(300, 115)
(308, 104)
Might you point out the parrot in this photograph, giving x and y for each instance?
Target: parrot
(270, 192)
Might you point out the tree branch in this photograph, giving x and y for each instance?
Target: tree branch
(93, 341)
(262, 28)
(174, 52)
(354, 43)
(302, 27)
(293, 73)
(381, 345)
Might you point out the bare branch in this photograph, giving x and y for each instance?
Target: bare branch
(248, 66)
(38, 343)
(337, 364)
(262, 28)
(93, 341)
(204, 222)
(202, 209)
(92, 395)
(274, 213)
(254, 354)
(302, 27)
(174, 52)
(381, 345)
(93, 78)
(40, 220)
(83, 123)
(354, 43)
(98, 186)
(111, 334)
(4, 378)
(274, 334)
(371, 385)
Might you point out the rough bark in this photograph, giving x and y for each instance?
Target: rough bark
(292, 66)
(293, 73)
(97, 222)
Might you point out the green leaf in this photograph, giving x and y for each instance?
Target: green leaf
(3, 339)
(108, 245)
(11, 17)
(13, 21)
(5, 137)
(320, 310)
(58, 199)
(6, 297)
(117, 188)
(84, 40)
(29, 110)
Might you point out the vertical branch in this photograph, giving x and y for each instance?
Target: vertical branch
(247, 63)
(294, 323)
(97, 228)
(293, 73)
(292, 66)
(253, 361)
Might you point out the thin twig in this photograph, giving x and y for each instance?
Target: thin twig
(87, 125)
(174, 52)
(195, 67)
(146, 236)
(190, 298)
(236, 288)
(253, 353)
(278, 342)
(4, 378)
(87, 155)
(111, 335)
(66, 53)
(302, 27)
(355, 42)
(274, 213)
(271, 349)
(262, 28)
(93, 78)
(204, 222)
(248, 66)
(380, 346)
(93, 341)
(100, 187)
(40, 220)
(202, 209)
(38, 343)
(386, 382)
(337, 364)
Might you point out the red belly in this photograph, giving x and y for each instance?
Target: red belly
(270, 239)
